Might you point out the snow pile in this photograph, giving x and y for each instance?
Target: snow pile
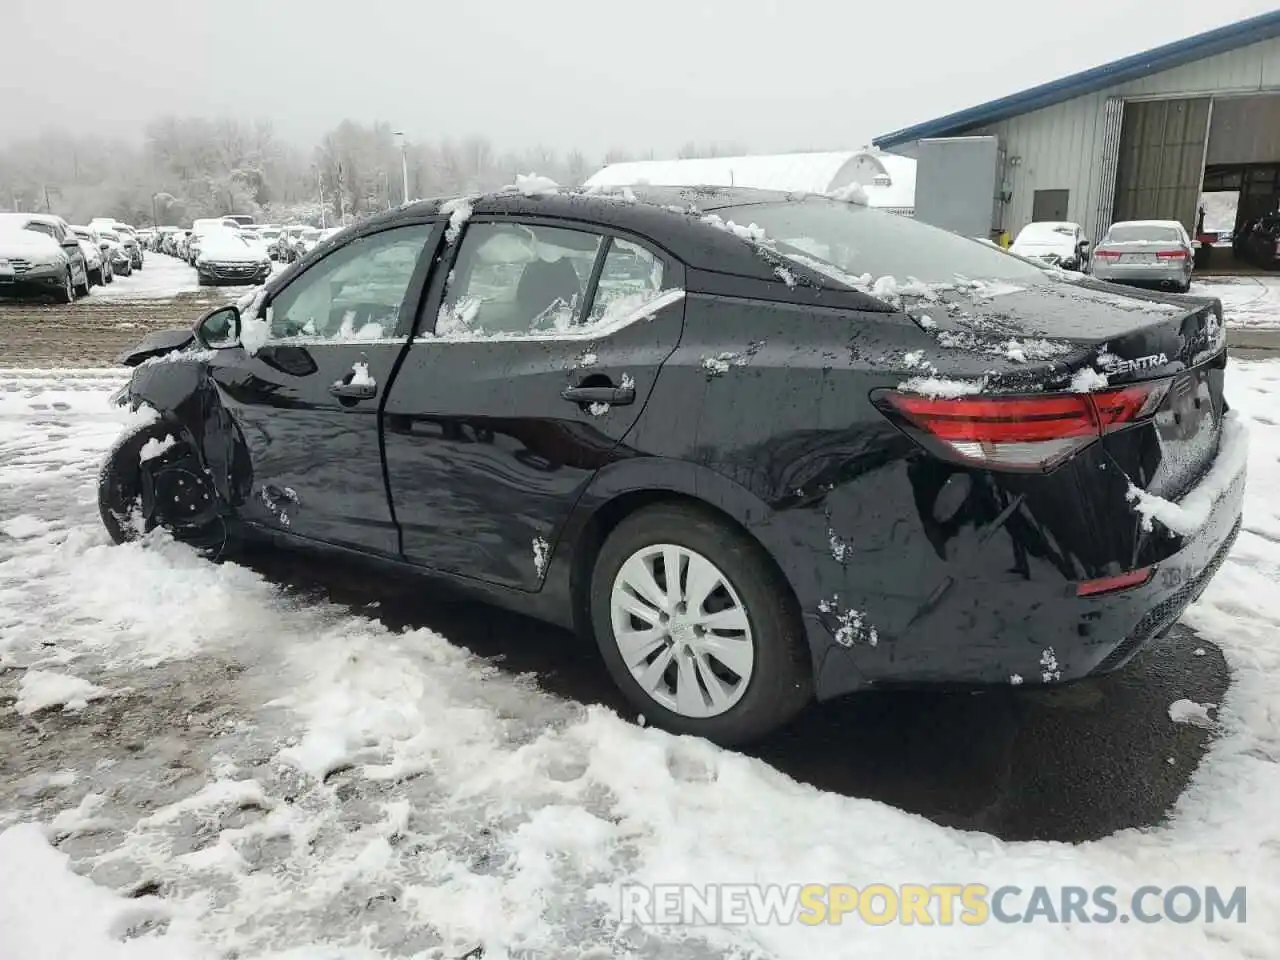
(42, 689)
(1024, 351)
(1088, 380)
(49, 913)
(752, 233)
(156, 447)
(459, 211)
(360, 376)
(532, 185)
(1193, 510)
(939, 388)
(851, 193)
(1188, 711)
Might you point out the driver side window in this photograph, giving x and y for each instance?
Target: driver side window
(356, 292)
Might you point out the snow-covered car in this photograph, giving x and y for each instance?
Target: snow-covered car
(1146, 252)
(34, 264)
(61, 233)
(286, 242)
(202, 228)
(125, 235)
(1058, 243)
(226, 256)
(117, 252)
(101, 273)
(306, 241)
(758, 471)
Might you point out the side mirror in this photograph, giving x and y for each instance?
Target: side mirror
(1084, 246)
(71, 243)
(219, 328)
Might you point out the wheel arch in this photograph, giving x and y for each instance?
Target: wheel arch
(624, 488)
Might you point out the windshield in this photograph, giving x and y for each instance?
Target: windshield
(1136, 233)
(46, 228)
(858, 240)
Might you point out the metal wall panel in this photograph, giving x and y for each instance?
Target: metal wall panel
(1112, 128)
(1245, 130)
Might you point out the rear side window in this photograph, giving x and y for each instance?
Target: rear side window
(1138, 233)
(515, 279)
(858, 240)
(631, 276)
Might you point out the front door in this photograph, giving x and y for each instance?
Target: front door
(545, 348)
(305, 402)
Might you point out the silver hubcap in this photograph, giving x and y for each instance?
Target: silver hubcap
(682, 630)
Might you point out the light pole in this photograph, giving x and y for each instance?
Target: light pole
(404, 163)
(320, 186)
(155, 220)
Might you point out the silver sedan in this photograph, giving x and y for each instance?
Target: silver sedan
(1146, 252)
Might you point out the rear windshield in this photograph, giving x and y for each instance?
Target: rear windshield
(858, 240)
(1136, 233)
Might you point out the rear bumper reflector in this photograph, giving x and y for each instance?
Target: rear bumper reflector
(1122, 581)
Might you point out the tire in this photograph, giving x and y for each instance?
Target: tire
(68, 292)
(83, 290)
(121, 490)
(778, 682)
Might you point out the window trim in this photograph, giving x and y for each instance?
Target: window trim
(415, 292)
(672, 283)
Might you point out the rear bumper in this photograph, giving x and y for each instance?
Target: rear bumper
(996, 604)
(1141, 273)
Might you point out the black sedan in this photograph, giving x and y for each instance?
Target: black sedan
(763, 448)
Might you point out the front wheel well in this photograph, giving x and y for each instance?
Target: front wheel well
(607, 517)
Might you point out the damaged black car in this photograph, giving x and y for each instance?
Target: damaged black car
(763, 448)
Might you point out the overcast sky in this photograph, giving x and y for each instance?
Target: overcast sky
(638, 74)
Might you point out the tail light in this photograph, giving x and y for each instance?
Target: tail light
(1172, 254)
(1121, 581)
(1107, 254)
(1021, 432)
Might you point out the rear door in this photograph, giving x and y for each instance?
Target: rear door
(305, 403)
(539, 348)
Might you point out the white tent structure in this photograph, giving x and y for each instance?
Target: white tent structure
(889, 180)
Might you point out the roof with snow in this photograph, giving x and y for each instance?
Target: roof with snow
(889, 180)
(1202, 45)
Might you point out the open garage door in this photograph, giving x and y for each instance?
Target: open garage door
(1161, 164)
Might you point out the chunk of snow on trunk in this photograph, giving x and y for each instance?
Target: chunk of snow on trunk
(532, 185)
(1188, 711)
(1015, 679)
(598, 409)
(913, 359)
(1022, 351)
(458, 211)
(541, 554)
(1191, 513)
(56, 914)
(1088, 380)
(840, 548)
(940, 388)
(155, 447)
(851, 193)
(42, 689)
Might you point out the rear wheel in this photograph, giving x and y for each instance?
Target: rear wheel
(697, 627)
(168, 489)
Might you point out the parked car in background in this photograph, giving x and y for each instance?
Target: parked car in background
(1146, 252)
(202, 228)
(34, 264)
(42, 270)
(126, 236)
(285, 251)
(121, 259)
(645, 472)
(1262, 245)
(226, 256)
(269, 234)
(240, 219)
(89, 236)
(306, 241)
(1059, 243)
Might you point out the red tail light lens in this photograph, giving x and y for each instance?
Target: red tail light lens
(1107, 254)
(1123, 581)
(1024, 432)
(1172, 254)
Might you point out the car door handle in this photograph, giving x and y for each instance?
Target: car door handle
(354, 391)
(617, 396)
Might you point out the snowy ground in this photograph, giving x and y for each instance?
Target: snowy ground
(1247, 302)
(244, 773)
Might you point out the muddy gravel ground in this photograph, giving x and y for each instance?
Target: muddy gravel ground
(93, 331)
